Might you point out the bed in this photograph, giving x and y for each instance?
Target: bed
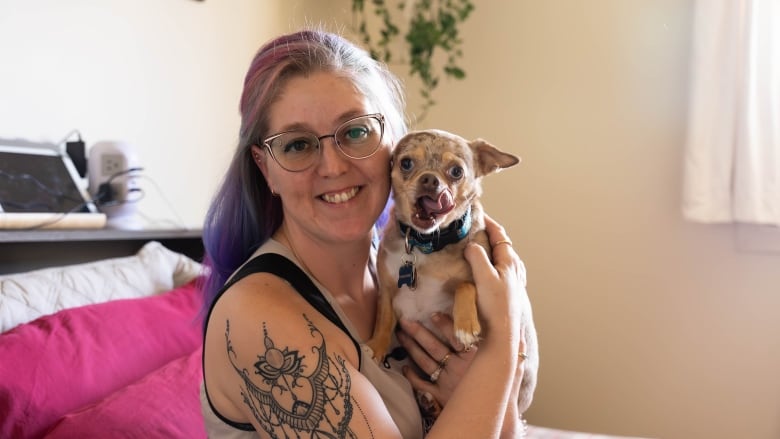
(110, 348)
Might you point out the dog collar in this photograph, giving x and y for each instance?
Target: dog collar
(431, 242)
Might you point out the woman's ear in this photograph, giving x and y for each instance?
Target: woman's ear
(260, 157)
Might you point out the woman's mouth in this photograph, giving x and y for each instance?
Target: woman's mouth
(340, 197)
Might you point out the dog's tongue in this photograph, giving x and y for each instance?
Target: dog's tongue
(443, 204)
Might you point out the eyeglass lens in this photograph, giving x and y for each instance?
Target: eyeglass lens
(356, 138)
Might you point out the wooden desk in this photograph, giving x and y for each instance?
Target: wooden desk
(30, 250)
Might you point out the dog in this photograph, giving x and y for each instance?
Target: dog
(436, 187)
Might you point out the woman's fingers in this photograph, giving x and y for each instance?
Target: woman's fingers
(504, 256)
(430, 354)
(444, 324)
(425, 348)
(414, 339)
(500, 283)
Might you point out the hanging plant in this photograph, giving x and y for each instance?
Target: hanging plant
(428, 27)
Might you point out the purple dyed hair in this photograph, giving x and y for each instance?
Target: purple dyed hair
(243, 213)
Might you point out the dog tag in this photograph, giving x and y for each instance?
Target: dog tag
(407, 275)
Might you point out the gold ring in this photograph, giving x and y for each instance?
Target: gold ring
(523, 356)
(503, 241)
(443, 362)
(435, 375)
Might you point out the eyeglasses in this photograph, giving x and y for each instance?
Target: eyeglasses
(357, 138)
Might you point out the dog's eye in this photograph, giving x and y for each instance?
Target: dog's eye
(406, 164)
(455, 172)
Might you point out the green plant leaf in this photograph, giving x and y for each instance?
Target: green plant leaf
(426, 27)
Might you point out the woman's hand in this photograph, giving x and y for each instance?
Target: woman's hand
(500, 286)
(428, 352)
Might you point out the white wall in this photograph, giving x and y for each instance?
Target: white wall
(163, 75)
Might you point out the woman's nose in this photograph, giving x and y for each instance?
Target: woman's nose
(332, 160)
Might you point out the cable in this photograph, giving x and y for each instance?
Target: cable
(60, 216)
(105, 193)
(58, 194)
(95, 201)
(123, 172)
(167, 202)
(103, 198)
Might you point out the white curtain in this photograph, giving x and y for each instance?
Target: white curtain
(732, 157)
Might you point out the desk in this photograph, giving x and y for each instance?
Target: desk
(30, 250)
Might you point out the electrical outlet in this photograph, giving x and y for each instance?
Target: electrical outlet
(110, 164)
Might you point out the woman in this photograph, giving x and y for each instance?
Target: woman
(283, 353)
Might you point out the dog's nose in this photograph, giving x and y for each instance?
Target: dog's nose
(429, 181)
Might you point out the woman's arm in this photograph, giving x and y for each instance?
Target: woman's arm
(274, 362)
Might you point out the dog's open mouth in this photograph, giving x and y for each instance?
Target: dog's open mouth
(429, 208)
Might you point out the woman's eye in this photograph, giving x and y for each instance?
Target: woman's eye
(455, 172)
(357, 132)
(296, 146)
(406, 164)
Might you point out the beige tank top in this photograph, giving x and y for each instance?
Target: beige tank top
(395, 390)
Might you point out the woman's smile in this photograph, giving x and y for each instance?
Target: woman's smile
(341, 196)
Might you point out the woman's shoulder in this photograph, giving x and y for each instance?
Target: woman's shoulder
(262, 336)
(260, 305)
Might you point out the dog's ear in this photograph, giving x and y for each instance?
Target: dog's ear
(490, 159)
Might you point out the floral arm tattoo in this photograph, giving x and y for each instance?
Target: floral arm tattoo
(294, 396)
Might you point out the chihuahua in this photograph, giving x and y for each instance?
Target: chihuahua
(421, 268)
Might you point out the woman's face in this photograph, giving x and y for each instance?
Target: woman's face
(337, 198)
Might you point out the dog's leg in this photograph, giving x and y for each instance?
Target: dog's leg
(464, 314)
(383, 326)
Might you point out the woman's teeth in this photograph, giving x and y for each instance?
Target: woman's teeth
(341, 197)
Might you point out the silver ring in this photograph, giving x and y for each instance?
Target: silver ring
(435, 375)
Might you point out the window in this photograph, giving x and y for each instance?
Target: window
(732, 157)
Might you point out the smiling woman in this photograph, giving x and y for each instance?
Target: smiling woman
(290, 241)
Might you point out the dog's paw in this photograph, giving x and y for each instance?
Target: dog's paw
(469, 337)
(379, 348)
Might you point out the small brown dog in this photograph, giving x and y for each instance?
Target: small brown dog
(421, 267)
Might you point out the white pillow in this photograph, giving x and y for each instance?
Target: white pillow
(154, 269)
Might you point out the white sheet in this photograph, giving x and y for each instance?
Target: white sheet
(154, 269)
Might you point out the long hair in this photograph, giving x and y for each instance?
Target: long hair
(244, 213)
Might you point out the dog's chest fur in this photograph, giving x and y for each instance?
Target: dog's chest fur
(438, 273)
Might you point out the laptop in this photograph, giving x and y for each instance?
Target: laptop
(40, 187)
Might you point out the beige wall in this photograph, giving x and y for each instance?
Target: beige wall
(648, 325)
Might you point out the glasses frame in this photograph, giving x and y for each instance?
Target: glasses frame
(378, 116)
